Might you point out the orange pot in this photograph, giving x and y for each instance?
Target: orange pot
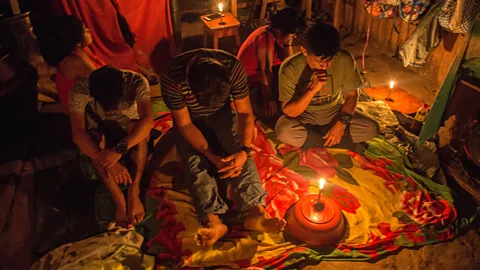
(316, 225)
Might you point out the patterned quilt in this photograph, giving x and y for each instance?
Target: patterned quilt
(386, 205)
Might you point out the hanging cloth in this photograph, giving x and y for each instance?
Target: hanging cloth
(380, 9)
(434, 118)
(126, 33)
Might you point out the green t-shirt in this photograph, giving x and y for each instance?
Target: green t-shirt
(295, 76)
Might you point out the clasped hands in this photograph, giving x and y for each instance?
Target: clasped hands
(231, 166)
(108, 159)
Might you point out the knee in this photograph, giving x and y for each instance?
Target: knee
(372, 129)
(282, 128)
(287, 132)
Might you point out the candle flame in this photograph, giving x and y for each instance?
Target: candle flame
(392, 83)
(220, 7)
(321, 183)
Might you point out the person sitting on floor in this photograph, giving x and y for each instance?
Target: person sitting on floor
(63, 43)
(262, 53)
(111, 119)
(214, 139)
(319, 93)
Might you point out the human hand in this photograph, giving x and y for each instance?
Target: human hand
(233, 165)
(334, 135)
(108, 157)
(288, 39)
(119, 174)
(319, 79)
(217, 161)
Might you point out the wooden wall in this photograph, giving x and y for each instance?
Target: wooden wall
(382, 34)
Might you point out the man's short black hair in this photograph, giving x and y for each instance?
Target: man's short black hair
(107, 87)
(288, 21)
(209, 81)
(322, 40)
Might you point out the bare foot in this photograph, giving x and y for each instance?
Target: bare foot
(259, 220)
(215, 230)
(135, 211)
(121, 218)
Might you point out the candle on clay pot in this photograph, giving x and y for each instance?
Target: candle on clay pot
(318, 204)
(316, 220)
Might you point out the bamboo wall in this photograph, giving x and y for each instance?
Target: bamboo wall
(355, 18)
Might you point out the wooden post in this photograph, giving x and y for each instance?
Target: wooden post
(337, 18)
(234, 8)
(15, 7)
(308, 7)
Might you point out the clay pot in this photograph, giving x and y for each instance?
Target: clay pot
(316, 226)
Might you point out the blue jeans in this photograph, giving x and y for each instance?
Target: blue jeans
(220, 131)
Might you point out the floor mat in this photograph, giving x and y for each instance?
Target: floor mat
(403, 101)
(386, 206)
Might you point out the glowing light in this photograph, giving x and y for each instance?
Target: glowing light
(220, 7)
(392, 83)
(321, 183)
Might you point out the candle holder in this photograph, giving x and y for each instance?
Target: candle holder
(220, 10)
(221, 19)
(316, 222)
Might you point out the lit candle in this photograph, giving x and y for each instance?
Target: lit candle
(321, 183)
(388, 98)
(220, 9)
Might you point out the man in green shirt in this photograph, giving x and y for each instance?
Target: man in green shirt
(318, 90)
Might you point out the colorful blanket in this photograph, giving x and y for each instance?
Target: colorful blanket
(386, 205)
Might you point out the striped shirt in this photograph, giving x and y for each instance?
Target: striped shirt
(178, 95)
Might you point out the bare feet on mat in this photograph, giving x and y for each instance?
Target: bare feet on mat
(135, 211)
(215, 230)
(121, 218)
(259, 220)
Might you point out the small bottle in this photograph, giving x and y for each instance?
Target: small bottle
(420, 117)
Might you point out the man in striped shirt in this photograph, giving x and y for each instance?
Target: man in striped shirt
(215, 140)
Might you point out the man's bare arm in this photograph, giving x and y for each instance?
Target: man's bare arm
(81, 137)
(141, 129)
(192, 134)
(246, 121)
(351, 99)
